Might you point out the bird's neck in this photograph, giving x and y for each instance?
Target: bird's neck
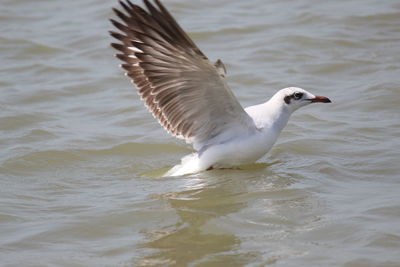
(279, 114)
(271, 115)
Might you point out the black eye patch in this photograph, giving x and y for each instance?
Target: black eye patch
(295, 96)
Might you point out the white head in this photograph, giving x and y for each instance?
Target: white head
(294, 98)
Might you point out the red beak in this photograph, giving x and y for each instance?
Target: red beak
(321, 99)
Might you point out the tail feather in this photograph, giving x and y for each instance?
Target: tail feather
(189, 164)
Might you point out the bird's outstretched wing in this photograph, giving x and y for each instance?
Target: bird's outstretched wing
(179, 85)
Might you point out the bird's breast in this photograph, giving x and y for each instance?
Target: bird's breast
(238, 151)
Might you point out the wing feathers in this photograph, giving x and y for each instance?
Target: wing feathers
(176, 81)
(128, 59)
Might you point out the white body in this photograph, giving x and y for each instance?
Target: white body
(270, 118)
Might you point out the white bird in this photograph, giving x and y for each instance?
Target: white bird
(189, 95)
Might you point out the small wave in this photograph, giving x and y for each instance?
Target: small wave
(137, 149)
(29, 47)
(18, 121)
(382, 19)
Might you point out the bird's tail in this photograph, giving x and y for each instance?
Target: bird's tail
(189, 164)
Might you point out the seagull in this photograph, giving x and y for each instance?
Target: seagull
(189, 95)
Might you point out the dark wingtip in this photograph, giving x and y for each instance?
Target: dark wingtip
(117, 46)
(116, 11)
(116, 35)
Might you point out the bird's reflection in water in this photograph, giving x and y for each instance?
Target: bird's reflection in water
(207, 197)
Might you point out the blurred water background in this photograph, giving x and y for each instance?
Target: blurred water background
(80, 155)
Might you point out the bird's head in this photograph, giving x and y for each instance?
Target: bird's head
(294, 98)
